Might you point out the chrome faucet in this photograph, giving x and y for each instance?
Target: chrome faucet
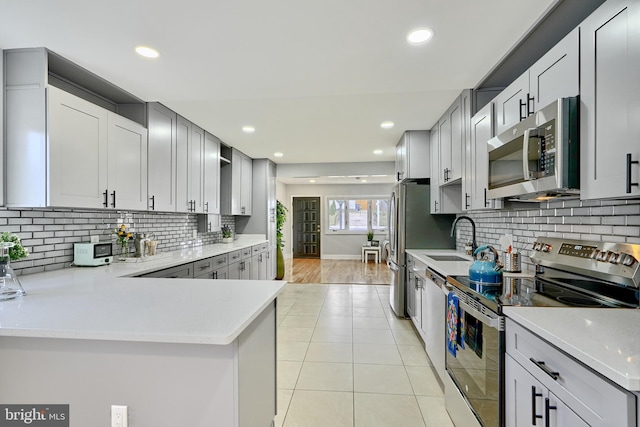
(474, 245)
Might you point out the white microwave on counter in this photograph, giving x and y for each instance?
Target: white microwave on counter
(92, 254)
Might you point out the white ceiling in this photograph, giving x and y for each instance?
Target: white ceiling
(315, 79)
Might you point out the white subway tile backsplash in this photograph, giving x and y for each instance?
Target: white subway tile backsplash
(49, 234)
(597, 220)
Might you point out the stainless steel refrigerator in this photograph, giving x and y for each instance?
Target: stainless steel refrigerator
(411, 226)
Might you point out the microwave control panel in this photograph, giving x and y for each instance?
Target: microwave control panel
(547, 134)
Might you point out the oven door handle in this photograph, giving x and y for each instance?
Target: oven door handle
(495, 323)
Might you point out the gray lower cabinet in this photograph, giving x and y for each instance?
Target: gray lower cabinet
(244, 264)
(546, 387)
(240, 270)
(610, 101)
(216, 267)
(259, 262)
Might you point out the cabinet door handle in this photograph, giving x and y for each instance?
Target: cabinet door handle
(466, 200)
(206, 207)
(153, 203)
(540, 364)
(547, 409)
(106, 198)
(215, 274)
(486, 203)
(398, 176)
(629, 164)
(523, 115)
(435, 206)
(114, 198)
(534, 416)
(530, 99)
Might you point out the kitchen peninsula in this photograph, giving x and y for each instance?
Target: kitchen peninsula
(175, 351)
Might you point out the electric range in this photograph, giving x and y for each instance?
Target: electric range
(569, 273)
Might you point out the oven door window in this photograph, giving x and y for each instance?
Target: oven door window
(475, 368)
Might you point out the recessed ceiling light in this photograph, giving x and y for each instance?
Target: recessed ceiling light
(278, 154)
(312, 181)
(363, 180)
(248, 129)
(387, 125)
(336, 176)
(379, 176)
(147, 52)
(377, 152)
(419, 36)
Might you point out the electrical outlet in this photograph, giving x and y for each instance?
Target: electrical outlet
(119, 416)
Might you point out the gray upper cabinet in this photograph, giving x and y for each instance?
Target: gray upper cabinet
(263, 207)
(610, 101)
(78, 152)
(444, 199)
(476, 178)
(555, 75)
(211, 174)
(412, 155)
(94, 158)
(190, 149)
(453, 131)
(236, 185)
(162, 126)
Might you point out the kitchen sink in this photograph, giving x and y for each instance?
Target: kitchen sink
(447, 258)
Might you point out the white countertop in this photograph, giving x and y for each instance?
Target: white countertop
(605, 339)
(446, 268)
(99, 303)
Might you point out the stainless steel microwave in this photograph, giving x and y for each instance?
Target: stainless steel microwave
(539, 158)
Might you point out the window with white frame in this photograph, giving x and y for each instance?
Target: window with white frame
(359, 215)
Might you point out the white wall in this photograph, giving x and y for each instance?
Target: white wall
(332, 245)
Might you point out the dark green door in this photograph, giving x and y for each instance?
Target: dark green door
(306, 227)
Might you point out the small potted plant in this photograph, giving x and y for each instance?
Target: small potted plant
(369, 237)
(11, 249)
(227, 234)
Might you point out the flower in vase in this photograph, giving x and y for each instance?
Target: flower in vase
(122, 235)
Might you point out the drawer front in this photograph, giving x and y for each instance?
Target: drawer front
(256, 249)
(203, 266)
(220, 261)
(246, 253)
(234, 256)
(264, 247)
(179, 272)
(594, 398)
(207, 275)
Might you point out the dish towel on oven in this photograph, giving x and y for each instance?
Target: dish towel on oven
(453, 312)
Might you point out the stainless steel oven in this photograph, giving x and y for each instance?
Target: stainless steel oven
(475, 366)
(538, 157)
(569, 273)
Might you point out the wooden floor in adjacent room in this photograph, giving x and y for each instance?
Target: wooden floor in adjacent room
(304, 270)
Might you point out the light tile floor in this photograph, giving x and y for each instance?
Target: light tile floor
(344, 359)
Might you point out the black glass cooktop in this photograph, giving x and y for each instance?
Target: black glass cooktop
(551, 291)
